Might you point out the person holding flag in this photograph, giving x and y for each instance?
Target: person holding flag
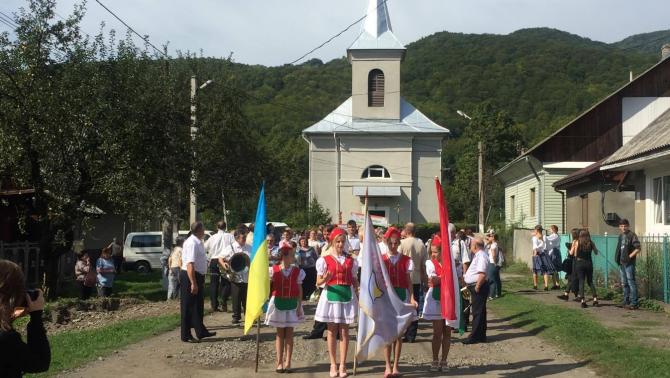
(399, 268)
(258, 286)
(285, 306)
(432, 309)
(338, 303)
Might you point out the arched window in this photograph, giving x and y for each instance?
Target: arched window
(375, 171)
(376, 88)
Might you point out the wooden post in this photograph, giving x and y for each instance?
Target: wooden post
(258, 341)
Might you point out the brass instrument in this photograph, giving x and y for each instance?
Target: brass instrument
(236, 264)
(467, 296)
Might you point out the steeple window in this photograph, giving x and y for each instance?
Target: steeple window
(376, 88)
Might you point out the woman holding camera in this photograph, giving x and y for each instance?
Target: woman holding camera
(17, 357)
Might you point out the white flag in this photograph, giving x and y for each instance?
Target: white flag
(383, 316)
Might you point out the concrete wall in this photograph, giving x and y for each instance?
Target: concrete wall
(523, 250)
(362, 62)
(638, 112)
(622, 203)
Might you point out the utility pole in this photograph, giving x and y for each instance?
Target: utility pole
(481, 186)
(193, 216)
(192, 199)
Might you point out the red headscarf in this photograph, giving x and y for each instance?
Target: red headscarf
(436, 241)
(337, 231)
(392, 232)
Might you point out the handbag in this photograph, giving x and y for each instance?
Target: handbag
(90, 278)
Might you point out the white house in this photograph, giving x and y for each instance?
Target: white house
(375, 141)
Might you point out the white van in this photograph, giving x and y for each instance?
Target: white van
(142, 250)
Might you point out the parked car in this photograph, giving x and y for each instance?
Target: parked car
(142, 250)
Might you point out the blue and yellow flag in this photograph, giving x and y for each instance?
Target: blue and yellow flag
(258, 289)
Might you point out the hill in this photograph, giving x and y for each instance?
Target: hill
(540, 77)
(646, 43)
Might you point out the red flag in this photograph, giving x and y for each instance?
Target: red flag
(448, 292)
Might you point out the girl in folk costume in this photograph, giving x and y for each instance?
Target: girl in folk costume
(399, 268)
(541, 262)
(338, 303)
(432, 310)
(285, 306)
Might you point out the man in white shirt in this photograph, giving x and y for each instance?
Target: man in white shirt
(354, 243)
(192, 278)
(475, 278)
(240, 279)
(218, 282)
(414, 248)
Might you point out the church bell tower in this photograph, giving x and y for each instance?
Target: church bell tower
(375, 59)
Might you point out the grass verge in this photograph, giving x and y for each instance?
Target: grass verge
(612, 352)
(73, 349)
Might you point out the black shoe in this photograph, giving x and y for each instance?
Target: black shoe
(207, 334)
(563, 297)
(584, 305)
(469, 341)
(534, 287)
(236, 321)
(190, 340)
(546, 288)
(408, 339)
(312, 336)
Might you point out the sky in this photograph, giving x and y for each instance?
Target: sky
(276, 32)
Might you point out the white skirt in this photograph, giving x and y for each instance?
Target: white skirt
(431, 307)
(336, 312)
(282, 318)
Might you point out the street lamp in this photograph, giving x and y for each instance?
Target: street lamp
(480, 148)
(194, 130)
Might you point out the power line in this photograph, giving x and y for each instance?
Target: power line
(145, 38)
(336, 35)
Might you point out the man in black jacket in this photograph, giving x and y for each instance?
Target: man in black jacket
(627, 249)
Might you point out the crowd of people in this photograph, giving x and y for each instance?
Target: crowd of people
(578, 264)
(322, 265)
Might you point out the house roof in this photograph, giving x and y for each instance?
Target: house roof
(411, 121)
(652, 139)
(583, 114)
(376, 32)
(579, 176)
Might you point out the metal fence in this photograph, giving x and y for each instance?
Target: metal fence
(27, 256)
(652, 264)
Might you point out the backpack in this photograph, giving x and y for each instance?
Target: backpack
(501, 257)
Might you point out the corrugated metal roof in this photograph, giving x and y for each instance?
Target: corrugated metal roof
(341, 121)
(376, 32)
(651, 139)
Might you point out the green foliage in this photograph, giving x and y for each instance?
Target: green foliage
(648, 43)
(314, 215)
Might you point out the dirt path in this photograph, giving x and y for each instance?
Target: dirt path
(510, 352)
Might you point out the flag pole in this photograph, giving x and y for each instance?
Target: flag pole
(258, 341)
(357, 335)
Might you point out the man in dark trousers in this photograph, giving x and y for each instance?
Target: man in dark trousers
(192, 278)
(478, 286)
(214, 246)
(627, 249)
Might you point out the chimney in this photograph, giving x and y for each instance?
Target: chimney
(665, 51)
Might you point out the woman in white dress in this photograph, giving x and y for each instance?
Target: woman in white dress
(399, 268)
(285, 306)
(338, 303)
(432, 310)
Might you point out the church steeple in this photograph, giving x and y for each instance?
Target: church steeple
(375, 59)
(376, 32)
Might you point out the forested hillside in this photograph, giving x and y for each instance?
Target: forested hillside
(537, 78)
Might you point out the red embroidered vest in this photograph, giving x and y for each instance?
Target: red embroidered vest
(438, 270)
(398, 272)
(341, 273)
(285, 287)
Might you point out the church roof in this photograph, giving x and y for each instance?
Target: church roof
(411, 121)
(377, 32)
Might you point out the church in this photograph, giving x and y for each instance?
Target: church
(376, 141)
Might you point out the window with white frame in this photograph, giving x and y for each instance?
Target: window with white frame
(661, 197)
(375, 171)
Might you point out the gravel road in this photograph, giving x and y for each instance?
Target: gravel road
(510, 352)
